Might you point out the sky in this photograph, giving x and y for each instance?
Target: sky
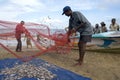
(49, 12)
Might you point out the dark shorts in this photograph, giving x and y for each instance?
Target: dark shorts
(85, 38)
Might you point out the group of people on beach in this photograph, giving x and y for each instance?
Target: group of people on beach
(113, 27)
(77, 23)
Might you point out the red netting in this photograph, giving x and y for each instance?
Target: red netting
(43, 39)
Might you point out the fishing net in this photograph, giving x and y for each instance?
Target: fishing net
(41, 39)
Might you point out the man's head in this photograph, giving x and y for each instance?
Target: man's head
(96, 25)
(113, 20)
(22, 22)
(67, 11)
(103, 24)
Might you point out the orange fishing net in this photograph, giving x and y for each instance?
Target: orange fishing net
(42, 37)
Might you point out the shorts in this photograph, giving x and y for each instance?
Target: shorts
(85, 38)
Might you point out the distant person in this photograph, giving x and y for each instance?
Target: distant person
(97, 29)
(38, 38)
(114, 26)
(28, 41)
(79, 23)
(103, 27)
(20, 29)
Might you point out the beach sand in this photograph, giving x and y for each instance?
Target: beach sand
(97, 66)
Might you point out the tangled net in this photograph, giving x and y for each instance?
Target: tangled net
(44, 39)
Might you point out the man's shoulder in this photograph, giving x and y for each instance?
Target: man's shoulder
(18, 24)
(76, 12)
(117, 24)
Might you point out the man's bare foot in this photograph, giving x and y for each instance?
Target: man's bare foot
(77, 64)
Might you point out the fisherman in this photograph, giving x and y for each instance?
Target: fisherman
(96, 29)
(114, 26)
(79, 23)
(103, 27)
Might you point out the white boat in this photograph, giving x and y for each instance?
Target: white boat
(106, 39)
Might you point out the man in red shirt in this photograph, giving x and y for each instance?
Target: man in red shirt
(20, 29)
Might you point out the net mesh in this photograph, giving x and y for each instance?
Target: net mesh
(41, 38)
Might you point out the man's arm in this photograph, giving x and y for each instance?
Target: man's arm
(77, 27)
(82, 24)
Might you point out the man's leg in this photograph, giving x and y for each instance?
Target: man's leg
(17, 47)
(82, 48)
(31, 44)
(20, 44)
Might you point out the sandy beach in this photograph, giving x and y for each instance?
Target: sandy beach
(97, 65)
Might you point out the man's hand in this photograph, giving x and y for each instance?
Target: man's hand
(70, 32)
(73, 31)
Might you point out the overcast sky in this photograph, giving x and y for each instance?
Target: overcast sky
(49, 11)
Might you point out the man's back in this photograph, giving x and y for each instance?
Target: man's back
(76, 19)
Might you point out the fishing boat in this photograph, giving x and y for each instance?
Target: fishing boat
(105, 40)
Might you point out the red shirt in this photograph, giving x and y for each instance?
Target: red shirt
(19, 30)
